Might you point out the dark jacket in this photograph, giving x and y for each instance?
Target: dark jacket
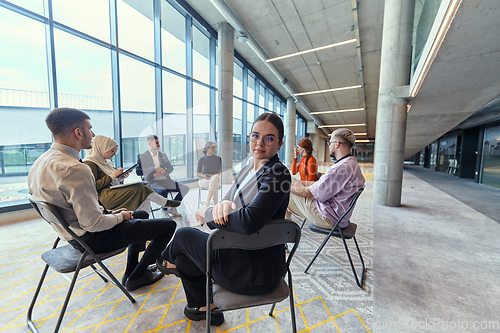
(146, 166)
(261, 200)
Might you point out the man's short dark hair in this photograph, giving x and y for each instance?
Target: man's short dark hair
(62, 121)
(151, 137)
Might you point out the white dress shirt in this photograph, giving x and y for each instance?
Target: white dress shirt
(58, 177)
(156, 161)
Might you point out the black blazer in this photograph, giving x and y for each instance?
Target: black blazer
(146, 166)
(260, 200)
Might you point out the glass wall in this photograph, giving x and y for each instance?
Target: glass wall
(127, 88)
(490, 165)
(447, 152)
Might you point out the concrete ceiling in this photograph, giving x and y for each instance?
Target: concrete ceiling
(462, 79)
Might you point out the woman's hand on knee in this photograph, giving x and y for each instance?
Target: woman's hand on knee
(220, 211)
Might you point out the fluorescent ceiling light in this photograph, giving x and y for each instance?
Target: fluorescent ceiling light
(438, 40)
(360, 134)
(312, 50)
(327, 90)
(337, 111)
(364, 141)
(343, 125)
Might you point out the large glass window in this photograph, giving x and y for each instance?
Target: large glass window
(237, 127)
(89, 16)
(84, 79)
(201, 47)
(201, 118)
(173, 38)
(238, 81)
(490, 174)
(137, 86)
(175, 123)
(24, 100)
(447, 152)
(135, 27)
(84, 75)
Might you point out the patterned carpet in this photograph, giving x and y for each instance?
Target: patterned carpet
(326, 300)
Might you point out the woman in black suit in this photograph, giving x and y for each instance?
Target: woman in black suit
(259, 194)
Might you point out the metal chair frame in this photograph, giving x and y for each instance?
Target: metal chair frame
(275, 233)
(343, 233)
(206, 189)
(51, 215)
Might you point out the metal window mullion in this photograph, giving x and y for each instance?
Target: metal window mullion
(158, 69)
(189, 96)
(115, 79)
(213, 91)
(256, 97)
(51, 57)
(244, 114)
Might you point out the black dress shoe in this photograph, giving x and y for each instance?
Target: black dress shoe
(172, 203)
(152, 268)
(145, 280)
(216, 315)
(162, 266)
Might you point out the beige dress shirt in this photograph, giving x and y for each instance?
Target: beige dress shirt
(58, 177)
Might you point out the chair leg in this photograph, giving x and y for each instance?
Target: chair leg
(31, 325)
(292, 306)
(319, 250)
(68, 294)
(103, 277)
(360, 284)
(113, 279)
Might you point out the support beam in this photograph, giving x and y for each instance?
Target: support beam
(391, 109)
(225, 61)
(289, 131)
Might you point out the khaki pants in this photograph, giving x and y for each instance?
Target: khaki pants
(305, 208)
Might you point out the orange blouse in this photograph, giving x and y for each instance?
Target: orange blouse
(312, 168)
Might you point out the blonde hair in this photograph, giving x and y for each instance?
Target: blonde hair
(345, 133)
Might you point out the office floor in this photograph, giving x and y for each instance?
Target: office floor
(426, 265)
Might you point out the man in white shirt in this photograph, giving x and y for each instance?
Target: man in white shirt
(155, 167)
(58, 177)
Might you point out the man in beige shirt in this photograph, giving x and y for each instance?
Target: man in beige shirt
(58, 177)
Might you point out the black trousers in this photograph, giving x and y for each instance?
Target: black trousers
(165, 186)
(188, 251)
(134, 234)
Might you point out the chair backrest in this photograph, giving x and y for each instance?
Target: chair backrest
(274, 233)
(351, 206)
(52, 215)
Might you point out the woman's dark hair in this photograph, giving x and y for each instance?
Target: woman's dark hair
(273, 119)
(207, 145)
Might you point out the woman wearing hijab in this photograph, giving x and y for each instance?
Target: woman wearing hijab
(131, 197)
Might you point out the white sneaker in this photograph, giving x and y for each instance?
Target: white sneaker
(173, 212)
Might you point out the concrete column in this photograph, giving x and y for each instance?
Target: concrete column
(315, 140)
(225, 62)
(289, 131)
(391, 109)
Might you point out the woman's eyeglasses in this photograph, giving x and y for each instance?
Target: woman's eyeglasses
(268, 139)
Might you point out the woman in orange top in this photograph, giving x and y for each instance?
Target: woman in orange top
(307, 167)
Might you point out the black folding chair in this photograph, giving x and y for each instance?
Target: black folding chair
(67, 259)
(343, 233)
(275, 233)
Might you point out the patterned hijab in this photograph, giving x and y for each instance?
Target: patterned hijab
(100, 145)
